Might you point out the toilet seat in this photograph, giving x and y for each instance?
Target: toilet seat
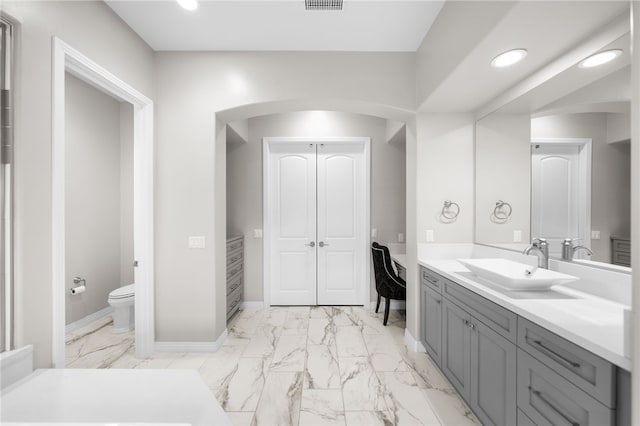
(123, 292)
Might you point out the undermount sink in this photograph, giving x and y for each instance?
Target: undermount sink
(515, 276)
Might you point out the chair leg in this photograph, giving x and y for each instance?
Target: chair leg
(378, 304)
(387, 302)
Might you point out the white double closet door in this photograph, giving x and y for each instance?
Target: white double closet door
(316, 221)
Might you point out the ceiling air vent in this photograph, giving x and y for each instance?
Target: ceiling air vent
(323, 4)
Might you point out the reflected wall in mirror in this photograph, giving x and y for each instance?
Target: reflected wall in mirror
(560, 156)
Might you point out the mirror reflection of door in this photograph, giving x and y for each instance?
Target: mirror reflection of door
(556, 201)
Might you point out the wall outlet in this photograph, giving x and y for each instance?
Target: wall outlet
(374, 232)
(517, 236)
(401, 237)
(257, 233)
(196, 242)
(595, 235)
(429, 235)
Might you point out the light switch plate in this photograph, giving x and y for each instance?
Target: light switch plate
(517, 236)
(196, 242)
(401, 237)
(429, 235)
(374, 232)
(257, 233)
(595, 235)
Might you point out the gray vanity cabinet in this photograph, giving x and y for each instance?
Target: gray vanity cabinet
(431, 313)
(493, 376)
(456, 347)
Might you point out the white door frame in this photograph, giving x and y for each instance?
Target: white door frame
(68, 59)
(584, 197)
(267, 141)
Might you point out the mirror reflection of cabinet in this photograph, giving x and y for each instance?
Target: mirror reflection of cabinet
(584, 195)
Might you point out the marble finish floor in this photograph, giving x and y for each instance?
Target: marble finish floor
(301, 366)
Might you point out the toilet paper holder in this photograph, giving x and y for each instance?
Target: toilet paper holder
(80, 285)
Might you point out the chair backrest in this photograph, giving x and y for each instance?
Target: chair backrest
(382, 267)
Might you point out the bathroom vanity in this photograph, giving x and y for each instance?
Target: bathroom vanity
(525, 358)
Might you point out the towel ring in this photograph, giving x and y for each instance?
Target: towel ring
(450, 210)
(502, 210)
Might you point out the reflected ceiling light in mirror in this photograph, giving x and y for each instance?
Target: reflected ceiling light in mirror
(508, 58)
(188, 4)
(600, 58)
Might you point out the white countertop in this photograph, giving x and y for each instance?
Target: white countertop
(65, 396)
(591, 322)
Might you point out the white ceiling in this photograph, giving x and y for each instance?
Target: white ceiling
(382, 26)
(546, 29)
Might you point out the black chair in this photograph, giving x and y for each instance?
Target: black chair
(388, 284)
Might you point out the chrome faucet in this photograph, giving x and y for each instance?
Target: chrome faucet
(541, 247)
(569, 250)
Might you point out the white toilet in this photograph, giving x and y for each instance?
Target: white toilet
(122, 299)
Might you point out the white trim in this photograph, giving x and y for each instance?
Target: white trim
(413, 344)
(366, 141)
(251, 306)
(68, 59)
(192, 346)
(15, 365)
(395, 305)
(584, 197)
(88, 319)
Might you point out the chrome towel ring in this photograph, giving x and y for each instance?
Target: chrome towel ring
(502, 211)
(450, 210)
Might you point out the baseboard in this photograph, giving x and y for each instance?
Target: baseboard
(395, 305)
(88, 319)
(15, 365)
(251, 306)
(191, 346)
(413, 344)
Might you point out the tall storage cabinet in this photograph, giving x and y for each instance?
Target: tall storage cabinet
(235, 273)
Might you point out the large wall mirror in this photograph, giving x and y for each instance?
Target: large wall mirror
(555, 164)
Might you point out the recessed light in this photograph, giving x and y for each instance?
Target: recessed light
(509, 57)
(188, 4)
(600, 58)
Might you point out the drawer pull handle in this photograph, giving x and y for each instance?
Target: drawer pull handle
(438, 301)
(431, 279)
(553, 407)
(469, 324)
(553, 354)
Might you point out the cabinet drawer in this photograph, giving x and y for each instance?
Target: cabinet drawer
(234, 283)
(234, 268)
(587, 371)
(623, 259)
(431, 279)
(501, 320)
(234, 299)
(523, 420)
(622, 246)
(234, 256)
(549, 399)
(234, 244)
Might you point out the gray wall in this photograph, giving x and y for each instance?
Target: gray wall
(503, 172)
(96, 31)
(244, 179)
(610, 176)
(96, 186)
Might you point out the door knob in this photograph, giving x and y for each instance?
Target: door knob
(322, 244)
(312, 244)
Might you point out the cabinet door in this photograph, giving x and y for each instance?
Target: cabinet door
(493, 376)
(456, 346)
(432, 323)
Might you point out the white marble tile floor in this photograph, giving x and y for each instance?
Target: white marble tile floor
(301, 366)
